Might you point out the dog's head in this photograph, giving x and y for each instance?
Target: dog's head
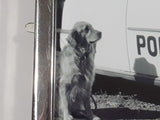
(83, 34)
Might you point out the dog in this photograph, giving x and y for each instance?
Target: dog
(77, 72)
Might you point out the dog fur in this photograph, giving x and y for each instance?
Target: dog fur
(77, 72)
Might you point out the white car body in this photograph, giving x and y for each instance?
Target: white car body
(130, 44)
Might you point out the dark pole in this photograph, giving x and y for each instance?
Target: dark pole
(60, 5)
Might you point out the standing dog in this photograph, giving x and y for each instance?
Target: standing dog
(77, 72)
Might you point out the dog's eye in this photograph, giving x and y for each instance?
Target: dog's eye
(86, 29)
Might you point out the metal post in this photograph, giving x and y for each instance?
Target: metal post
(44, 60)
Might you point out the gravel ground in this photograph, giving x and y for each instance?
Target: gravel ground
(119, 99)
(124, 107)
(123, 101)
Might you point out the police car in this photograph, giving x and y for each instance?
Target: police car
(130, 44)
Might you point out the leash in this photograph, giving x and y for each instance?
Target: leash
(95, 104)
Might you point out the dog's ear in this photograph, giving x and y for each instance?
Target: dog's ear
(75, 34)
(72, 38)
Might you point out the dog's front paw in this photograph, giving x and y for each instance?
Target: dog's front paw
(68, 117)
(96, 118)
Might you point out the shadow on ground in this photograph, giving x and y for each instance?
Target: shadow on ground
(125, 113)
(112, 86)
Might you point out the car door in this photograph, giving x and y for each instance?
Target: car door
(143, 36)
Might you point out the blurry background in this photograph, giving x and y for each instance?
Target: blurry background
(16, 59)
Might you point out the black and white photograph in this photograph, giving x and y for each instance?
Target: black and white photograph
(79, 60)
